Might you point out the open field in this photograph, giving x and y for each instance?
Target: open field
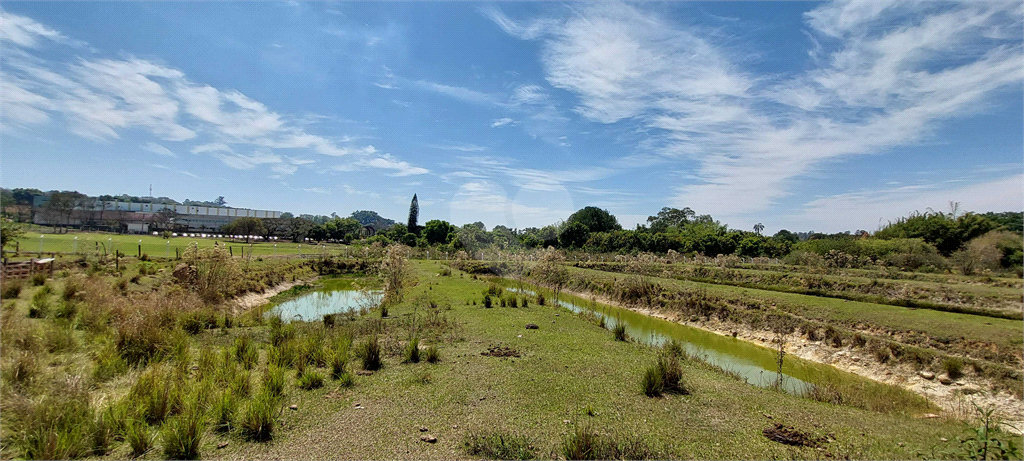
(569, 374)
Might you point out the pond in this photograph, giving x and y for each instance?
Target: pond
(332, 298)
(753, 363)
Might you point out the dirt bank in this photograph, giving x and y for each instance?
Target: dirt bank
(250, 300)
(955, 399)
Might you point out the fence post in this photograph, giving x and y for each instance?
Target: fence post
(230, 251)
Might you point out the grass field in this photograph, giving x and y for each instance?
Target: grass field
(570, 375)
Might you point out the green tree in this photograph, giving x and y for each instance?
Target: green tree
(573, 235)
(244, 226)
(670, 217)
(437, 231)
(414, 215)
(786, 236)
(9, 232)
(595, 219)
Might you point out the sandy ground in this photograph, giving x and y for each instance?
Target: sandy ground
(251, 300)
(955, 399)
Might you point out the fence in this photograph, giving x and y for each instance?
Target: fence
(25, 269)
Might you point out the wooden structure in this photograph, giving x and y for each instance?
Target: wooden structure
(26, 269)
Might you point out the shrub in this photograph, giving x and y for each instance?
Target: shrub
(619, 331)
(432, 354)
(665, 375)
(224, 408)
(369, 353)
(310, 380)
(257, 423)
(183, 434)
(497, 445)
(138, 436)
(412, 351)
(11, 290)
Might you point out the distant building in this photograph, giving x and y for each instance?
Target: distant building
(137, 217)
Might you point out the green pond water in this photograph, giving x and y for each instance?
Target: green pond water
(336, 296)
(753, 363)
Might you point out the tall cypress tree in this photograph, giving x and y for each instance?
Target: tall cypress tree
(414, 215)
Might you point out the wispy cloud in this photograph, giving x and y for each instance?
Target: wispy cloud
(458, 92)
(502, 122)
(888, 73)
(158, 149)
(458, 147)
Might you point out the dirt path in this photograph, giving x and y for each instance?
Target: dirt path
(955, 399)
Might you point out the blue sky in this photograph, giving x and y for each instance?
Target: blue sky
(799, 115)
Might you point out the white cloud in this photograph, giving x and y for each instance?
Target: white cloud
(386, 86)
(887, 75)
(158, 149)
(458, 92)
(502, 122)
(26, 32)
(388, 162)
(458, 147)
(852, 210)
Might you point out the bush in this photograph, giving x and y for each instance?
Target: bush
(619, 331)
(183, 434)
(257, 423)
(369, 353)
(310, 380)
(664, 376)
(497, 445)
(11, 290)
(432, 354)
(412, 351)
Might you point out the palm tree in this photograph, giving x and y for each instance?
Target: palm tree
(758, 228)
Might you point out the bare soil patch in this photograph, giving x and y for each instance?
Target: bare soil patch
(500, 351)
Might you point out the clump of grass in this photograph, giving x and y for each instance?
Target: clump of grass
(138, 436)
(833, 336)
(432, 354)
(21, 372)
(664, 376)
(58, 426)
(412, 351)
(858, 340)
(675, 348)
(586, 444)
(338, 361)
(183, 435)
(620, 331)
(498, 445)
(40, 305)
(38, 279)
(345, 380)
(155, 393)
(142, 340)
(487, 302)
(954, 367)
(825, 392)
(109, 363)
(11, 290)
(310, 380)
(225, 405)
(257, 422)
(369, 353)
(526, 301)
(540, 299)
(882, 354)
(422, 377)
(246, 351)
(241, 385)
(60, 337)
(273, 381)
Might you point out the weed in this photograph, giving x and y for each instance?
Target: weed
(498, 445)
(432, 354)
(257, 423)
(310, 380)
(619, 331)
(825, 392)
(141, 340)
(369, 353)
(412, 351)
